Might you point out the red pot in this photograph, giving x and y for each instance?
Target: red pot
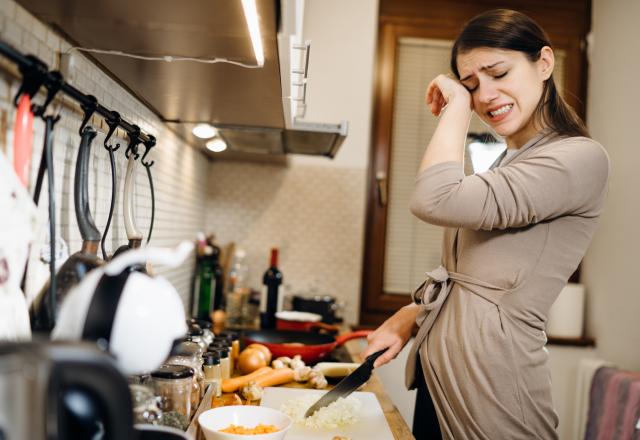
(302, 322)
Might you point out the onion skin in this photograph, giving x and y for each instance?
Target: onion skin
(250, 360)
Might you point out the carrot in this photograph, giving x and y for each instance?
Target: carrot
(275, 377)
(235, 383)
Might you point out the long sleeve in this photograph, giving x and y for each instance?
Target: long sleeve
(566, 177)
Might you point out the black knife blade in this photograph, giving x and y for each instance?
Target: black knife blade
(347, 385)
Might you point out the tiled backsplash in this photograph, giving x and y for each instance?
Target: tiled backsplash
(180, 172)
(312, 213)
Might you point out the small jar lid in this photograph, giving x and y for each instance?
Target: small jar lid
(203, 323)
(223, 352)
(228, 334)
(195, 330)
(211, 358)
(186, 348)
(171, 371)
(220, 343)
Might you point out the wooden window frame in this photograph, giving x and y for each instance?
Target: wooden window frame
(442, 20)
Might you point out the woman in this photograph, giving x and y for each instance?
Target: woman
(513, 234)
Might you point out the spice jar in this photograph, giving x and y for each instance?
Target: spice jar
(212, 372)
(221, 342)
(189, 354)
(196, 334)
(234, 337)
(173, 384)
(225, 362)
(145, 405)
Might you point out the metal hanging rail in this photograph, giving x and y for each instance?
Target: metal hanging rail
(35, 74)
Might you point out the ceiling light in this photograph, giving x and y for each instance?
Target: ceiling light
(204, 131)
(216, 145)
(251, 16)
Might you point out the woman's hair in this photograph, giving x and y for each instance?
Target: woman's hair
(513, 30)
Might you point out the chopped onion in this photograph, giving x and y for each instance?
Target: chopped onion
(342, 412)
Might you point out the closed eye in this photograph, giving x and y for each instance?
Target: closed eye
(502, 75)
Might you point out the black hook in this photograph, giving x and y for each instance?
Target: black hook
(113, 121)
(33, 76)
(148, 146)
(53, 83)
(134, 140)
(89, 109)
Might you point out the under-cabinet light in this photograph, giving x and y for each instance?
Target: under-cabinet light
(216, 145)
(204, 131)
(251, 15)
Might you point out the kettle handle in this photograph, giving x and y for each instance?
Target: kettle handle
(81, 372)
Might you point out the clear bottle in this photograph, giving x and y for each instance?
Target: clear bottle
(237, 291)
(212, 372)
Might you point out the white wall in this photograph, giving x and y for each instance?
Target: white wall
(612, 262)
(608, 269)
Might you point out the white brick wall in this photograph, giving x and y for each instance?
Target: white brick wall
(180, 172)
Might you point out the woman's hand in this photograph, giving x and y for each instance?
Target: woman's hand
(442, 90)
(393, 333)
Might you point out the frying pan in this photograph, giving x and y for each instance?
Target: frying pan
(312, 347)
(45, 308)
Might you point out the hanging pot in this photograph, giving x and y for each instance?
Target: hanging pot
(45, 307)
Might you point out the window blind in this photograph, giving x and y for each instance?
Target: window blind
(412, 246)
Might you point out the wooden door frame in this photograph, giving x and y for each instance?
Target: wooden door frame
(377, 305)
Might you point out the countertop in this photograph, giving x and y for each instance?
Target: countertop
(397, 424)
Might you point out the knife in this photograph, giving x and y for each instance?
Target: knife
(347, 385)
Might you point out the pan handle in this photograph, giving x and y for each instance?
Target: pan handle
(87, 227)
(353, 335)
(133, 233)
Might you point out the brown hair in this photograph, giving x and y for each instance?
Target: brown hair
(513, 30)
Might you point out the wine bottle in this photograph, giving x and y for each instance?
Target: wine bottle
(269, 302)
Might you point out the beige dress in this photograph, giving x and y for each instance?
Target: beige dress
(514, 235)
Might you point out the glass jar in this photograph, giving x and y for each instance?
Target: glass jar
(146, 405)
(225, 361)
(173, 384)
(212, 372)
(188, 353)
(234, 338)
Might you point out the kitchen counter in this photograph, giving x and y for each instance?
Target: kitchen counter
(397, 424)
(399, 427)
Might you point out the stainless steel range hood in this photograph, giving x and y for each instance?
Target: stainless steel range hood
(254, 109)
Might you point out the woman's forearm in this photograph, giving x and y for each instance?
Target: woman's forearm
(448, 140)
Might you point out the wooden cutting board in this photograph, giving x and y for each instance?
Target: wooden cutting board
(372, 425)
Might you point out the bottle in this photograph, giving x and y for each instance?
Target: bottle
(218, 292)
(206, 284)
(236, 289)
(270, 300)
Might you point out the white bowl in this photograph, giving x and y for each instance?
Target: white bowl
(213, 420)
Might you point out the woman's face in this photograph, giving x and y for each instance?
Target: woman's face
(505, 89)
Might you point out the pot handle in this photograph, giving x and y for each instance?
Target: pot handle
(332, 329)
(353, 335)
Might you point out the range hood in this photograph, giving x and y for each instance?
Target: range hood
(256, 110)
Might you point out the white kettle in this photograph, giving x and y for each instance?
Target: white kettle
(134, 316)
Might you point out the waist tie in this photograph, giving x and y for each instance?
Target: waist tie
(431, 295)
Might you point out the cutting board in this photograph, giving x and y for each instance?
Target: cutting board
(372, 425)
